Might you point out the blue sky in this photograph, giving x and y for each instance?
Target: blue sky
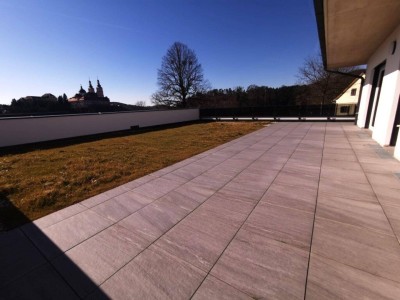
(54, 46)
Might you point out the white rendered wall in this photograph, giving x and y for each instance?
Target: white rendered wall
(17, 131)
(346, 97)
(390, 90)
(397, 148)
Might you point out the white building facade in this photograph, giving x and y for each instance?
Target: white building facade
(347, 102)
(367, 32)
(380, 96)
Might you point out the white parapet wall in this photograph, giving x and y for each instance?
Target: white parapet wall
(25, 130)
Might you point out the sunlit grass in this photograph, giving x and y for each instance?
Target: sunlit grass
(45, 178)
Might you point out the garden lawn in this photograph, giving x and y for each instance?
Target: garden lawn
(40, 179)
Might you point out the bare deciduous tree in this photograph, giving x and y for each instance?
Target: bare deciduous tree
(180, 77)
(325, 86)
(140, 103)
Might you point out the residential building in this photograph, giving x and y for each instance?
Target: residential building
(367, 32)
(347, 101)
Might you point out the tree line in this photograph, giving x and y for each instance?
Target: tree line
(181, 84)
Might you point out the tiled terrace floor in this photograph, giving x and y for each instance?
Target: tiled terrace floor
(293, 210)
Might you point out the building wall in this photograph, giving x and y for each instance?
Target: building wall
(346, 97)
(24, 130)
(390, 90)
(348, 100)
(350, 112)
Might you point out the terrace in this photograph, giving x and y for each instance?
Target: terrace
(293, 210)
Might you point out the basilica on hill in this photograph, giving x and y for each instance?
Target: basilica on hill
(91, 97)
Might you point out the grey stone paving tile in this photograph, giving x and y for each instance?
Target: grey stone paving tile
(235, 204)
(263, 268)
(54, 240)
(135, 197)
(364, 214)
(339, 175)
(390, 181)
(290, 226)
(145, 179)
(210, 218)
(154, 274)
(381, 168)
(188, 172)
(309, 161)
(297, 179)
(393, 214)
(356, 191)
(249, 154)
(311, 144)
(302, 156)
(142, 227)
(18, 255)
(92, 262)
(232, 164)
(277, 150)
(174, 177)
(163, 214)
(132, 184)
(274, 158)
(233, 189)
(180, 200)
(373, 252)
(156, 188)
(195, 191)
(95, 200)
(271, 164)
(195, 245)
(253, 181)
(259, 167)
(370, 159)
(213, 181)
(59, 215)
(41, 283)
(340, 157)
(300, 168)
(343, 165)
(201, 237)
(329, 279)
(213, 288)
(117, 191)
(337, 144)
(387, 196)
(291, 196)
(117, 208)
(332, 151)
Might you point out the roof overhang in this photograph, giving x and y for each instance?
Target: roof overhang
(350, 31)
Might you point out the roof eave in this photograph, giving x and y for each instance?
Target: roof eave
(319, 14)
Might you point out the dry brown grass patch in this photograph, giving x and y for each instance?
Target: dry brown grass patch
(45, 179)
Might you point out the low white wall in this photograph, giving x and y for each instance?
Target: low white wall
(24, 130)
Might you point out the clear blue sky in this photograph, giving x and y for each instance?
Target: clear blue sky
(50, 46)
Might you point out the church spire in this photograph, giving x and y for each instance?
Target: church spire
(90, 89)
(99, 89)
(82, 91)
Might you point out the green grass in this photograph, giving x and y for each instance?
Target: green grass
(38, 180)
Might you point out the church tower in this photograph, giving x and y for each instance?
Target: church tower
(90, 89)
(99, 90)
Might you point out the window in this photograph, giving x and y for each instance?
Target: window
(353, 92)
(344, 109)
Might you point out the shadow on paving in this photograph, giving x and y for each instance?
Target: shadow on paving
(27, 272)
